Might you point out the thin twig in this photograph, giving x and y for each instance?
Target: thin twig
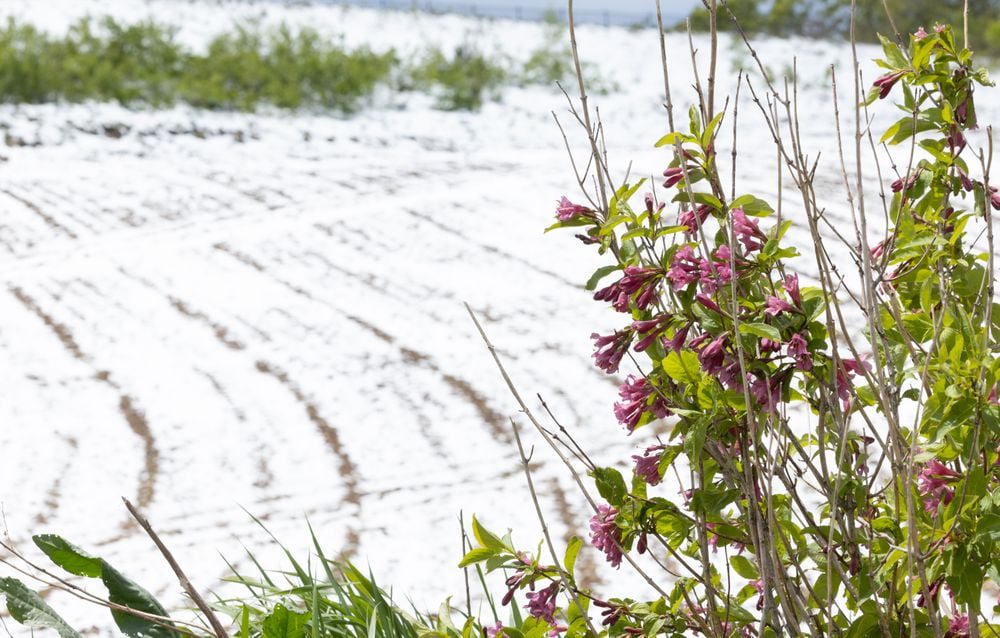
(217, 627)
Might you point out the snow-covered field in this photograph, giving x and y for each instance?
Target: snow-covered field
(205, 312)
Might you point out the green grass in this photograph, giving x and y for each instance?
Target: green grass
(143, 65)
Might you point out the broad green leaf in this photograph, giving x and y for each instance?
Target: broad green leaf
(600, 274)
(682, 366)
(611, 485)
(476, 555)
(28, 608)
(485, 537)
(761, 330)
(282, 623)
(124, 591)
(742, 566)
(68, 556)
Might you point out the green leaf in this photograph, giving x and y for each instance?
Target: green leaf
(68, 556)
(671, 139)
(124, 591)
(28, 608)
(572, 549)
(706, 138)
(600, 274)
(761, 330)
(485, 537)
(742, 566)
(682, 366)
(282, 623)
(611, 485)
(751, 205)
(893, 55)
(476, 555)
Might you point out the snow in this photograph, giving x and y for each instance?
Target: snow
(219, 311)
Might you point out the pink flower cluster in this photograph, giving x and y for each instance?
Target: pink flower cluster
(638, 282)
(568, 211)
(686, 269)
(605, 535)
(609, 349)
(648, 465)
(542, 603)
(933, 484)
(638, 398)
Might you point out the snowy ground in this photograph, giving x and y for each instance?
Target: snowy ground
(207, 311)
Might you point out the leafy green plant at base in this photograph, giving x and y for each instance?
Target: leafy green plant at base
(26, 607)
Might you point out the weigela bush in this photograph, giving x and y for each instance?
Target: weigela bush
(828, 463)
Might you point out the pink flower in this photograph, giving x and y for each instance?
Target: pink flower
(759, 586)
(766, 345)
(673, 176)
(650, 330)
(920, 34)
(958, 626)
(605, 535)
(648, 467)
(843, 383)
(995, 201)
(932, 483)
(694, 219)
(495, 631)
(967, 183)
(717, 272)
(609, 349)
(542, 603)
(729, 376)
(902, 185)
(747, 231)
(879, 249)
(636, 393)
(939, 28)
(567, 211)
(635, 280)
(706, 301)
(886, 82)
(798, 349)
(684, 268)
(650, 202)
(767, 393)
(676, 342)
(712, 356)
(776, 306)
(792, 288)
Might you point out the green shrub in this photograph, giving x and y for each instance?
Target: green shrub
(463, 80)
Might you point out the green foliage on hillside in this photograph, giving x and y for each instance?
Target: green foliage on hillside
(143, 64)
(831, 18)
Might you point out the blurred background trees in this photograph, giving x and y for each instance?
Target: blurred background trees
(831, 18)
